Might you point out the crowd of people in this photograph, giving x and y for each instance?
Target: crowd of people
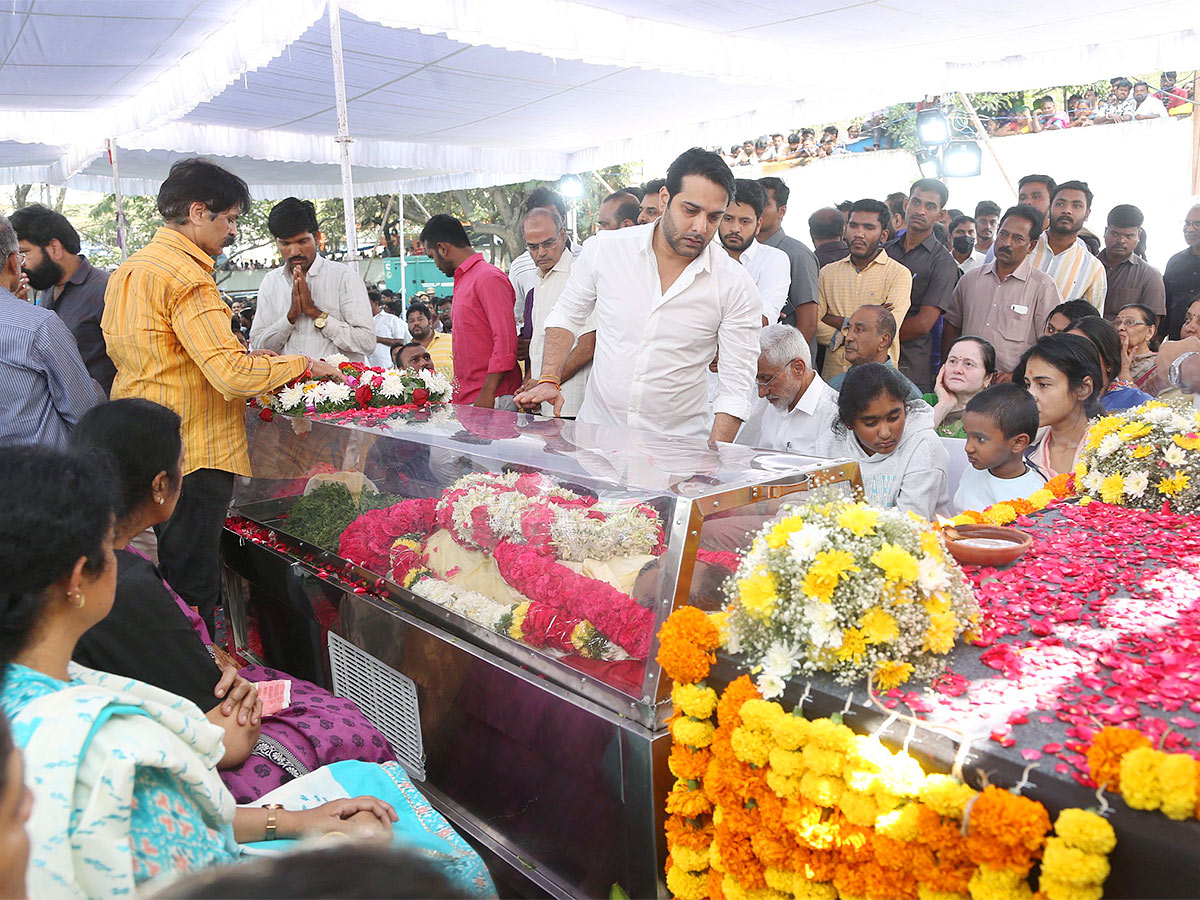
(911, 337)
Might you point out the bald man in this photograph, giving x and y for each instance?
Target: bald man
(618, 210)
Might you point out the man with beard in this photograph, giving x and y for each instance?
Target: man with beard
(664, 298)
(1062, 255)
(768, 267)
(72, 287)
(867, 277)
(1130, 278)
(421, 326)
(987, 217)
(484, 333)
(413, 355)
(795, 406)
(650, 210)
(167, 332)
(1006, 300)
(310, 304)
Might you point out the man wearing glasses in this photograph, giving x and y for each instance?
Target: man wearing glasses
(795, 406)
(1130, 278)
(546, 242)
(1182, 276)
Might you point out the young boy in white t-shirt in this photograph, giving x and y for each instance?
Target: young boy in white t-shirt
(1000, 423)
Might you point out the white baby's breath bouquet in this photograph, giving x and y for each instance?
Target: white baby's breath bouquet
(848, 589)
(1143, 457)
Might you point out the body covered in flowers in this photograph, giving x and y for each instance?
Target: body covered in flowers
(366, 387)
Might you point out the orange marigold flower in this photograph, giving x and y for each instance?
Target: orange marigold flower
(737, 693)
(682, 833)
(714, 885)
(1104, 756)
(686, 641)
(1022, 506)
(1007, 830)
(687, 762)
(1062, 485)
(739, 860)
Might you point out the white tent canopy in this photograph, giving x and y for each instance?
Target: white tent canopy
(457, 93)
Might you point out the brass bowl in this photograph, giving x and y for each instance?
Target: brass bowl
(1010, 544)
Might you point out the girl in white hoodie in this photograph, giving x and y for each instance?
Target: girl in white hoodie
(902, 460)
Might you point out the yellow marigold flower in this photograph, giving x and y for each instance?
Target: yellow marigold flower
(692, 733)
(823, 790)
(750, 746)
(1041, 498)
(518, 619)
(896, 562)
(786, 786)
(993, 881)
(879, 626)
(830, 735)
(1112, 488)
(1139, 778)
(901, 824)
(1142, 451)
(687, 885)
(787, 762)
(822, 761)
(760, 715)
(790, 732)
(780, 879)
(859, 809)
(720, 621)
(946, 796)
(1135, 430)
(940, 636)
(758, 594)
(1081, 471)
(828, 568)
(689, 858)
(714, 851)
(924, 892)
(859, 519)
(962, 519)
(1063, 863)
(1086, 831)
(1062, 890)
(693, 700)
(1189, 441)
(1178, 481)
(1000, 514)
(854, 645)
(901, 775)
(1177, 780)
(892, 674)
(778, 535)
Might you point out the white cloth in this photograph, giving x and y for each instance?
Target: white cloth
(545, 295)
(336, 290)
(388, 326)
(771, 270)
(974, 261)
(1151, 107)
(653, 347)
(797, 430)
(979, 488)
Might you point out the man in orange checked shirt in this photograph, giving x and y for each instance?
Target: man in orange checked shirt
(167, 332)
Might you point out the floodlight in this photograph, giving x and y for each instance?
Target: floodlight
(933, 128)
(571, 187)
(962, 159)
(927, 162)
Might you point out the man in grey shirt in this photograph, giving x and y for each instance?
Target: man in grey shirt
(801, 307)
(69, 284)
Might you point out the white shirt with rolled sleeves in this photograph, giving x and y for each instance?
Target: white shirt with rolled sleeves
(337, 290)
(388, 326)
(772, 273)
(653, 348)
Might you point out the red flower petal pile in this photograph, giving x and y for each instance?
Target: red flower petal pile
(368, 540)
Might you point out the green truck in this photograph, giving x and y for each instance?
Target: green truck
(419, 273)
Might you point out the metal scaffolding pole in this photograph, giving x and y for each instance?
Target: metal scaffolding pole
(121, 225)
(343, 127)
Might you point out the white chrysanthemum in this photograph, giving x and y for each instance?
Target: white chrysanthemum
(331, 392)
(336, 359)
(1180, 424)
(822, 624)
(1092, 480)
(1136, 484)
(393, 385)
(437, 384)
(806, 541)
(770, 685)
(1109, 445)
(1158, 415)
(932, 575)
(1174, 455)
(781, 659)
(292, 397)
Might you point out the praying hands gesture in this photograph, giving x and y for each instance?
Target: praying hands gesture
(302, 301)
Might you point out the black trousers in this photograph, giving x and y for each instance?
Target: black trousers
(189, 543)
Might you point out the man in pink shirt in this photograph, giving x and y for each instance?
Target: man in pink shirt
(484, 329)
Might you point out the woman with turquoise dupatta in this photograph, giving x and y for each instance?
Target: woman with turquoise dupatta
(123, 775)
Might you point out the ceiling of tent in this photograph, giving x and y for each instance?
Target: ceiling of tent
(457, 93)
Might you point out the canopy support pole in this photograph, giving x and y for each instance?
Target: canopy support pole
(343, 127)
(121, 225)
(986, 138)
(403, 252)
(1195, 145)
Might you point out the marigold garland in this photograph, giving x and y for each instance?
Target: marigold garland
(1123, 761)
(1059, 487)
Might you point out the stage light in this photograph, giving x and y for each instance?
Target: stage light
(927, 162)
(962, 159)
(933, 129)
(571, 187)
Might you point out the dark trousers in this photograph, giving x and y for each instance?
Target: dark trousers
(189, 543)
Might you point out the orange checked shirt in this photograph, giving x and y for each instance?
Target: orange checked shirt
(168, 333)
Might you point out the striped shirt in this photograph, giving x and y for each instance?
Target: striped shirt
(842, 290)
(45, 386)
(1078, 274)
(168, 334)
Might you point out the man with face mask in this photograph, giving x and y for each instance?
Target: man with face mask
(69, 284)
(962, 243)
(310, 304)
(795, 406)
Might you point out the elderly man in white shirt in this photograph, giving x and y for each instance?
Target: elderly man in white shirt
(310, 305)
(664, 298)
(795, 407)
(768, 266)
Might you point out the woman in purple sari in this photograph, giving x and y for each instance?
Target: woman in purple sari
(153, 636)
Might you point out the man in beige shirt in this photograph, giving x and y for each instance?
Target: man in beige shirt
(1007, 300)
(867, 277)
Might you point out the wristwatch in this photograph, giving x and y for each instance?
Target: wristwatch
(272, 818)
(1173, 372)
(320, 320)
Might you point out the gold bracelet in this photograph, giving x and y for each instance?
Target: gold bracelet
(272, 819)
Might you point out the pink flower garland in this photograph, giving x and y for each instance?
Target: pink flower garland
(368, 540)
(541, 578)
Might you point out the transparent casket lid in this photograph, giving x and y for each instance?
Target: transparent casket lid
(551, 541)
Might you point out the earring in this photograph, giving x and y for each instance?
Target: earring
(161, 500)
(77, 598)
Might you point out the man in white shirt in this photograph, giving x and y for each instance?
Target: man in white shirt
(310, 305)
(522, 272)
(770, 268)
(390, 331)
(962, 244)
(546, 242)
(663, 297)
(795, 406)
(1148, 105)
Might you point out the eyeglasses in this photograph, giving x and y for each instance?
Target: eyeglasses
(1189, 225)
(544, 245)
(21, 255)
(767, 383)
(1129, 323)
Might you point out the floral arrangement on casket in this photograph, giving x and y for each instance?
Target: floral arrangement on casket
(848, 589)
(1147, 457)
(366, 387)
